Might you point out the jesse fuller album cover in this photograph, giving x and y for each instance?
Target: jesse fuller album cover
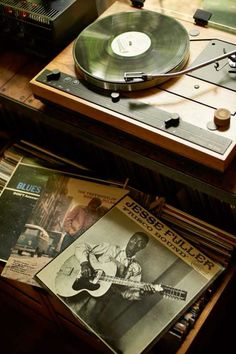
(128, 277)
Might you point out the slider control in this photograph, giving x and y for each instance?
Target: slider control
(173, 121)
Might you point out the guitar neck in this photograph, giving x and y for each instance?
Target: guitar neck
(165, 290)
(174, 293)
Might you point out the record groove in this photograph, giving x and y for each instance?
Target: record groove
(144, 41)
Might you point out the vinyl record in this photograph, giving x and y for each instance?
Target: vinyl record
(140, 41)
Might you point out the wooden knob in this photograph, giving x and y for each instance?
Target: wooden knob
(222, 117)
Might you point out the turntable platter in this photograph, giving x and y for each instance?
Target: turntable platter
(144, 41)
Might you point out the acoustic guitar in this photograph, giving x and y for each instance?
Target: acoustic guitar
(69, 280)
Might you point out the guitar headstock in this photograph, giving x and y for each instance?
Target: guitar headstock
(170, 292)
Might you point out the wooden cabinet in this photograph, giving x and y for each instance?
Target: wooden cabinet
(117, 155)
(41, 312)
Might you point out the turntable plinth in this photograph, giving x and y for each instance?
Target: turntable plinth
(143, 113)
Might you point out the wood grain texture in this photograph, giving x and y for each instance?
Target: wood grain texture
(177, 95)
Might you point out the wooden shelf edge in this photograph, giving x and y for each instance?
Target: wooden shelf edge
(185, 346)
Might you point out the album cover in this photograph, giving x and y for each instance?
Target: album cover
(17, 200)
(24, 170)
(42, 211)
(129, 277)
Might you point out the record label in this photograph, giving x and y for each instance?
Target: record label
(131, 44)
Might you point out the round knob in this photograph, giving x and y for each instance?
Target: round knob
(222, 117)
(115, 96)
(53, 75)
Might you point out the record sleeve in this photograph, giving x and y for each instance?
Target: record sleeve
(129, 277)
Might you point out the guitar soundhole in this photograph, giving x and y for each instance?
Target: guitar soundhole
(83, 283)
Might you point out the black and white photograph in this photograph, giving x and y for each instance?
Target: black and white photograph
(123, 283)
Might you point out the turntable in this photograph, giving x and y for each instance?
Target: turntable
(167, 81)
